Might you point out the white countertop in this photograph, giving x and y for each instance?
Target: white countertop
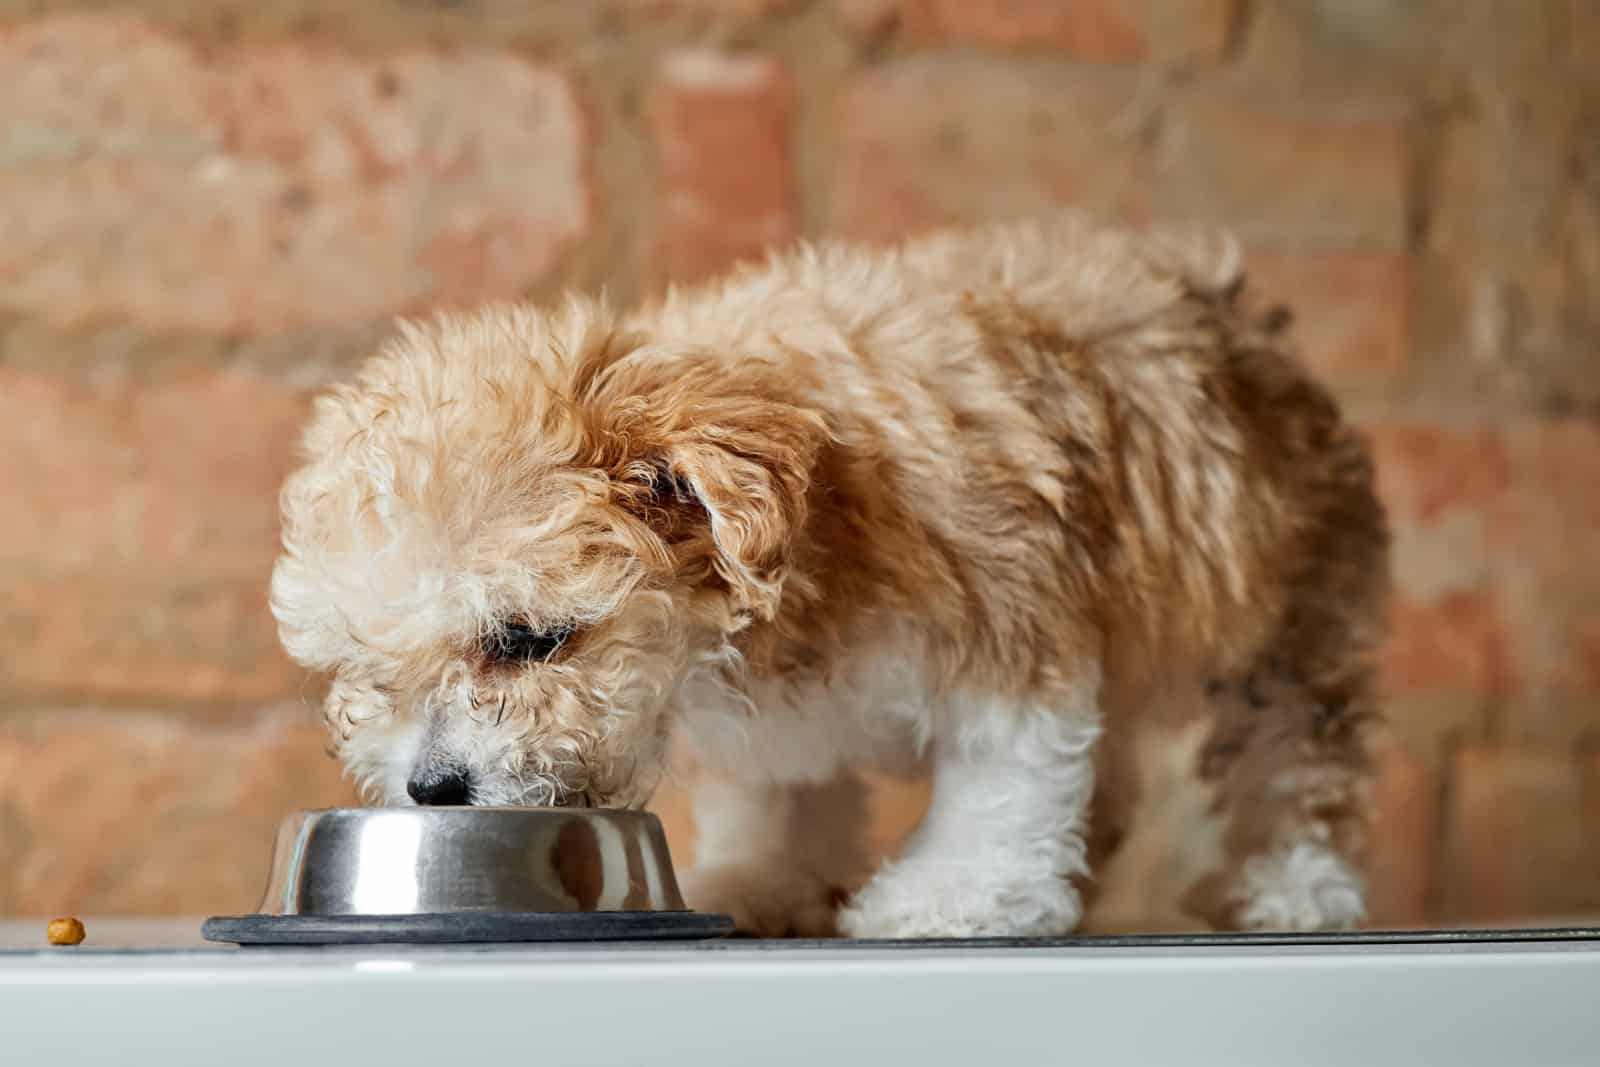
(153, 992)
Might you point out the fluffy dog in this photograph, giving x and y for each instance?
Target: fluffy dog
(1046, 508)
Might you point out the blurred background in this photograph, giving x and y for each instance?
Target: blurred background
(209, 210)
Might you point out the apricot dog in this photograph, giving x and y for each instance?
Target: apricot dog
(1046, 508)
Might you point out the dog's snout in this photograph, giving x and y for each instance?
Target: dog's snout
(440, 788)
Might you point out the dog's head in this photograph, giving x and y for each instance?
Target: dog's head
(517, 534)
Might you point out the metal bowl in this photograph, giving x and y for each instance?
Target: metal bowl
(468, 874)
(409, 861)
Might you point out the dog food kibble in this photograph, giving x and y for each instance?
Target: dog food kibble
(65, 932)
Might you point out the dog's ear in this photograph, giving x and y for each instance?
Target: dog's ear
(728, 463)
(747, 463)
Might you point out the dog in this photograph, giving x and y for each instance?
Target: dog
(1046, 509)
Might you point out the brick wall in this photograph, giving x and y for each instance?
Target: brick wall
(208, 209)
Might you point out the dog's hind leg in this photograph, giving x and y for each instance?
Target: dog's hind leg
(1291, 775)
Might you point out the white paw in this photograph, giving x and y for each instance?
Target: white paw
(914, 899)
(1305, 886)
(765, 902)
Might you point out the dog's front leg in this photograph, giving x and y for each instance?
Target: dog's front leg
(1003, 837)
(778, 858)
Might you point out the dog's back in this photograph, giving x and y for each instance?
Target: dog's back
(1102, 405)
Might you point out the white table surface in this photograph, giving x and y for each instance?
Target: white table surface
(154, 993)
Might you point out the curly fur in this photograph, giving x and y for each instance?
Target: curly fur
(1012, 502)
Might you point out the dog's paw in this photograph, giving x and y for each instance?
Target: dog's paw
(765, 902)
(1304, 887)
(926, 900)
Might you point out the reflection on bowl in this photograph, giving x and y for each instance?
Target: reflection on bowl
(410, 861)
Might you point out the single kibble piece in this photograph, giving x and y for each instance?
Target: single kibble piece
(65, 932)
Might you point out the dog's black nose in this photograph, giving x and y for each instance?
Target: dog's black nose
(440, 789)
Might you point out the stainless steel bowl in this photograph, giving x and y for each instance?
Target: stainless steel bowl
(421, 861)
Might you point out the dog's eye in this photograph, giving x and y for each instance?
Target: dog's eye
(517, 642)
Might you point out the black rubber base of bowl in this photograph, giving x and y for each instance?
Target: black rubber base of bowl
(465, 928)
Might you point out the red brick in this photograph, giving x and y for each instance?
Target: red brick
(1282, 178)
(919, 146)
(722, 127)
(1554, 508)
(1581, 38)
(741, 9)
(874, 17)
(1401, 848)
(1543, 530)
(1430, 560)
(1580, 669)
(1495, 586)
(1426, 471)
(1458, 643)
(144, 526)
(1352, 309)
(1302, 47)
(1101, 31)
(274, 183)
(1589, 784)
(1455, 629)
(1513, 242)
(1098, 31)
(1518, 847)
(177, 474)
(123, 636)
(1192, 29)
(139, 814)
(1422, 721)
(1548, 713)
